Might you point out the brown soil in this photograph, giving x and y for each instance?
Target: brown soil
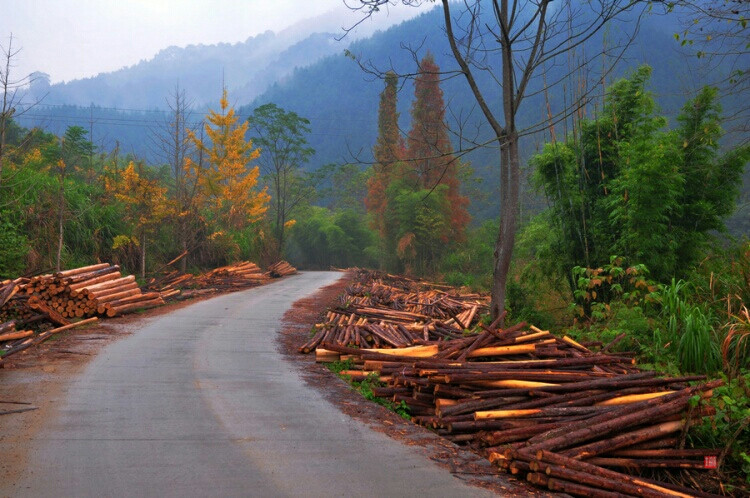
(463, 463)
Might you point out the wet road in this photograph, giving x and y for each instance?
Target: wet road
(200, 403)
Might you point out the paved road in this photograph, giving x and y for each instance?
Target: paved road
(200, 403)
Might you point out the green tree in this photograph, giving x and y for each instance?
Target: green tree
(322, 238)
(512, 41)
(281, 135)
(628, 186)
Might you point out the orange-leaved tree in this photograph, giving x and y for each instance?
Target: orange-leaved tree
(226, 178)
(144, 200)
(430, 153)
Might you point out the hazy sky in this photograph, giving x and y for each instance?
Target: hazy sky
(71, 39)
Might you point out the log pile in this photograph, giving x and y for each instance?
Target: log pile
(281, 269)
(96, 290)
(226, 278)
(546, 408)
(376, 313)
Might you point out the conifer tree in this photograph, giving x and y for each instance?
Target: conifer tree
(388, 150)
(228, 181)
(430, 153)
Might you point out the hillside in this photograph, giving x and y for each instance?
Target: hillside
(247, 68)
(334, 93)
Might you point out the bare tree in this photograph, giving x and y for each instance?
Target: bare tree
(171, 143)
(10, 87)
(513, 41)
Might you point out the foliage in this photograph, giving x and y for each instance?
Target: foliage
(14, 245)
(322, 238)
(626, 186)
(413, 195)
(470, 263)
(143, 200)
(689, 330)
(226, 179)
(735, 349)
(596, 288)
(730, 424)
(419, 221)
(429, 156)
(280, 135)
(389, 148)
(364, 387)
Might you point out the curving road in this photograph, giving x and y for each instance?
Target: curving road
(200, 403)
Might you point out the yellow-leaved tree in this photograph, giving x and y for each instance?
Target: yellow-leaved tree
(224, 172)
(144, 200)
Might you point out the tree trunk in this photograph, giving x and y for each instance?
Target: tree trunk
(507, 234)
(143, 254)
(183, 261)
(60, 219)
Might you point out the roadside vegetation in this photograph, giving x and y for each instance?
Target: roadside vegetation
(631, 245)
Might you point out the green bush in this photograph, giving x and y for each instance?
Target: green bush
(14, 246)
(730, 426)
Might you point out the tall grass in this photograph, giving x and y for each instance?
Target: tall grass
(697, 349)
(735, 350)
(689, 330)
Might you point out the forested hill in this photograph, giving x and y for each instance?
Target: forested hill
(341, 99)
(247, 68)
(338, 97)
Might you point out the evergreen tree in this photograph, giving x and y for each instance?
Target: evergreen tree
(228, 180)
(430, 153)
(388, 150)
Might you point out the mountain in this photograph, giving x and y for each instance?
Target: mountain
(341, 99)
(312, 77)
(247, 68)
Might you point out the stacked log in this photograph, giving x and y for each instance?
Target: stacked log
(543, 407)
(96, 290)
(281, 269)
(226, 278)
(378, 314)
(31, 310)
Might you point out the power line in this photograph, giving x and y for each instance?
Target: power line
(243, 116)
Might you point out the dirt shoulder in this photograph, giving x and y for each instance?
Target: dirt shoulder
(464, 464)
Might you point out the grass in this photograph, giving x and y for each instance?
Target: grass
(364, 387)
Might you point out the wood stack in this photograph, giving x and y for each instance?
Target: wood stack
(31, 310)
(546, 408)
(87, 291)
(226, 278)
(281, 269)
(378, 314)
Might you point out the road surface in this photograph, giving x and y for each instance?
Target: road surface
(200, 403)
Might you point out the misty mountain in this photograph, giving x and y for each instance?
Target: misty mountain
(247, 69)
(341, 100)
(314, 79)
